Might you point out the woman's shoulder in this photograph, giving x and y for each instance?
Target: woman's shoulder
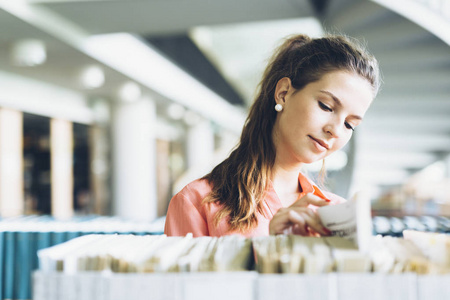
(186, 212)
(195, 191)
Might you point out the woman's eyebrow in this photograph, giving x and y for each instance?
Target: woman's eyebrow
(338, 102)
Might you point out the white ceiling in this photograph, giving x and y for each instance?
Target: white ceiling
(157, 17)
(225, 45)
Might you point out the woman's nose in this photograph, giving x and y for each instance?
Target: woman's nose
(333, 129)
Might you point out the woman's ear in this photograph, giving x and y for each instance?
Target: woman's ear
(282, 88)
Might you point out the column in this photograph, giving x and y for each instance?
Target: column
(227, 141)
(61, 149)
(200, 146)
(200, 149)
(99, 168)
(446, 160)
(134, 180)
(99, 152)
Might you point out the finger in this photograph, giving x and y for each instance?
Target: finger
(313, 233)
(299, 230)
(310, 199)
(299, 221)
(277, 226)
(312, 221)
(315, 224)
(280, 222)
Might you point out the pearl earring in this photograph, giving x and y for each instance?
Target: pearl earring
(278, 107)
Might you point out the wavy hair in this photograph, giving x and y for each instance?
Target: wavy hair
(240, 181)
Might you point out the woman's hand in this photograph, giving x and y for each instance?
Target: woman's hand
(299, 219)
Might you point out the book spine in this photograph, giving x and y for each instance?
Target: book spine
(8, 275)
(2, 266)
(22, 279)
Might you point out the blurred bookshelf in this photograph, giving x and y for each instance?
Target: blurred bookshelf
(421, 203)
(272, 267)
(23, 236)
(36, 153)
(82, 193)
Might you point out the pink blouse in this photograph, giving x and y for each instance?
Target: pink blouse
(186, 212)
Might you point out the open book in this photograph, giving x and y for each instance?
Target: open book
(351, 220)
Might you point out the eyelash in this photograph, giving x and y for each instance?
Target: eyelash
(349, 126)
(327, 108)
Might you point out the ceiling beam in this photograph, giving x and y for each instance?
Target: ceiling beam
(384, 176)
(395, 159)
(320, 6)
(423, 14)
(173, 16)
(427, 55)
(426, 79)
(401, 142)
(363, 14)
(402, 32)
(409, 124)
(395, 106)
(134, 59)
(183, 51)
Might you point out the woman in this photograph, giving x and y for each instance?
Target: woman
(313, 95)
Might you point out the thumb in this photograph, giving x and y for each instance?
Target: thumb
(311, 199)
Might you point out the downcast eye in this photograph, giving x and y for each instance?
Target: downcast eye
(324, 106)
(348, 126)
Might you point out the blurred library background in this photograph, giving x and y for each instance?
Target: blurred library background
(109, 107)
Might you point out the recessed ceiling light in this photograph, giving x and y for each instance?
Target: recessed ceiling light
(92, 77)
(130, 92)
(176, 111)
(28, 53)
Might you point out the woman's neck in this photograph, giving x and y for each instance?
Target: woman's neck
(285, 183)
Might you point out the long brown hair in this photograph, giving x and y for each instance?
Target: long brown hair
(240, 181)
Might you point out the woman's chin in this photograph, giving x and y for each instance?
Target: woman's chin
(311, 160)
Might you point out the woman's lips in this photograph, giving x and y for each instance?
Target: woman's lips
(320, 145)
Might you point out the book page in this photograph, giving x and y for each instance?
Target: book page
(351, 220)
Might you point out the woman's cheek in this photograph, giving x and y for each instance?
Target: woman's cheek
(341, 144)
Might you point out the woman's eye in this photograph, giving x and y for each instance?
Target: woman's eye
(348, 126)
(324, 106)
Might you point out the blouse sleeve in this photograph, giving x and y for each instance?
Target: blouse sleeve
(184, 217)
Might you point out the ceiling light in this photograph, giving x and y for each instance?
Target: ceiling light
(176, 111)
(28, 53)
(130, 92)
(156, 72)
(92, 77)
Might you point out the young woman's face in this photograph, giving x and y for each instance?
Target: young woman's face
(320, 118)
